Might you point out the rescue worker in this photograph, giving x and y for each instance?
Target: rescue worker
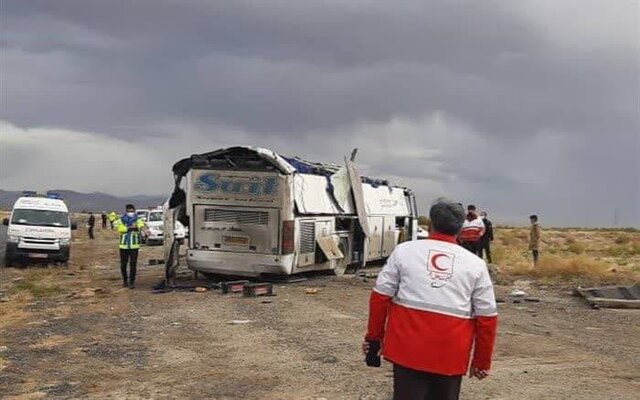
(534, 238)
(433, 312)
(91, 223)
(129, 227)
(487, 238)
(104, 219)
(472, 231)
(112, 218)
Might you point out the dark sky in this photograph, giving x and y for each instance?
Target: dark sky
(517, 106)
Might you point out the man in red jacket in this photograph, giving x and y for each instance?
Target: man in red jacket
(433, 304)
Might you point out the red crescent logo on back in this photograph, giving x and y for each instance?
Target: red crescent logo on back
(434, 261)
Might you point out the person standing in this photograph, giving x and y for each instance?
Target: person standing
(487, 238)
(129, 227)
(472, 231)
(104, 219)
(433, 312)
(112, 218)
(534, 238)
(91, 223)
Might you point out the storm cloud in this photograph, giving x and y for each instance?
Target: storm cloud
(519, 107)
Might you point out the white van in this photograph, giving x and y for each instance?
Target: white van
(155, 227)
(39, 229)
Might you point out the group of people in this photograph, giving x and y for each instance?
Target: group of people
(477, 233)
(91, 222)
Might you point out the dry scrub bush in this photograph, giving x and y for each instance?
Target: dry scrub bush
(577, 248)
(574, 269)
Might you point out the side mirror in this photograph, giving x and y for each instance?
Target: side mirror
(5, 222)
(74, 226)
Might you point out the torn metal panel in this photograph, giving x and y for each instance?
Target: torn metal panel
(330, 248)
(612, 296)
(342, 190)
(311, 195)
(385, 200)
(358, 196)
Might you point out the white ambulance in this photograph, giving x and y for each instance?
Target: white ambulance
(39, 229)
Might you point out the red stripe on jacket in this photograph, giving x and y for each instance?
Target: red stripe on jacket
(471, 234)
(430, 341)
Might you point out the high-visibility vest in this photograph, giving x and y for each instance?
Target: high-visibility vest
(130, 239)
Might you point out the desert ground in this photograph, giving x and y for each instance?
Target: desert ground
(73, 332)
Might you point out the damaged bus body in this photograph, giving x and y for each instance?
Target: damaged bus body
(251, 212)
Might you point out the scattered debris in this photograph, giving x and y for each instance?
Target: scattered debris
(3, 349)
(200, 289)
(532, 299)
(18, 279)
(233, 286)
(87, 293)
(312, 290)
(517, 293)
(239, 321)
(500, 301)
(367, 274)
(516, 301)
(611, 296)
(258, 289)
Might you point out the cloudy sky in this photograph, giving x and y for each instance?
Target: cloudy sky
(517, 106)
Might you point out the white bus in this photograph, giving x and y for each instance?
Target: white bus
(251, 212)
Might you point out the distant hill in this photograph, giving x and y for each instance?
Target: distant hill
(97, 201)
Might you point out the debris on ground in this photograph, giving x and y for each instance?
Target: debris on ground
(233, 286)
(611, 296)
(239, 321)
(258, 289)
(87, 293)
(532, 299)
(200, 289)
(368, 274)
(312, 290)
(517, 293)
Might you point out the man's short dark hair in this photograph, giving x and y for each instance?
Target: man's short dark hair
(446, 217)
(471, 207)
(533, 217)
(129, 207)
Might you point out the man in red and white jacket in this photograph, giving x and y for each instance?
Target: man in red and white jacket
(433, 304)
(472, 230)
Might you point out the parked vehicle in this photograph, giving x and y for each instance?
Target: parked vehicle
(39, 229)
(155, 227)
(252, 212)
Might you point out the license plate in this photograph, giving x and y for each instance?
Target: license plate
(37, 255)
(236, 241)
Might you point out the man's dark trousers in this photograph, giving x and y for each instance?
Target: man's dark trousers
(473, 247)
(129, 256)
(486, 249)
(409, 384)
(91, 232)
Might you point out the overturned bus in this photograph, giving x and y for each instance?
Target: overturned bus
(251, 212)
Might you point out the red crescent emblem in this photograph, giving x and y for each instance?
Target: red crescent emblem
(434, 261)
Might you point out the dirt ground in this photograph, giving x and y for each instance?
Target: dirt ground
(60, 340)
